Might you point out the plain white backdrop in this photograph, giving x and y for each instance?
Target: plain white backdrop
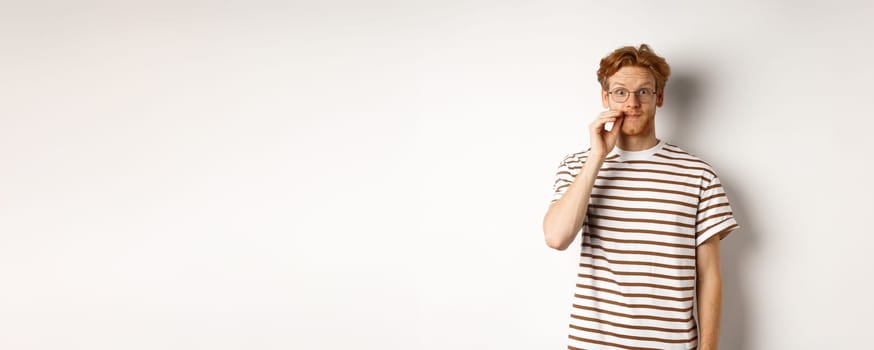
(373, 174)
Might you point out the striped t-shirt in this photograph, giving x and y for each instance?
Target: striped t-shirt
(647, 213)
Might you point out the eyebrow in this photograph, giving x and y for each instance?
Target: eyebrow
(644, 85)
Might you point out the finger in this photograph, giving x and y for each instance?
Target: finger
(600, 124)
(608, 114)
(604, 120)
(616, 126)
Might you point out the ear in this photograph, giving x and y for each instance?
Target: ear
(660, 100)
(604, 99)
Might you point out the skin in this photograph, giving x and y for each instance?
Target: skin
(633, 130)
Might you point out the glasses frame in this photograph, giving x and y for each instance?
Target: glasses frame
(653, 97)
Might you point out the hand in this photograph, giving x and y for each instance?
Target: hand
(602, 140)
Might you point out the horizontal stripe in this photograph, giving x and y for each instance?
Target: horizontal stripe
(641, 263)
(671, 165)
(638, 252)
(725, 230)
(694, 160)
(635, 295)
(635, 284)
(713, 206)
(646, 317)
(632, 273)
(711, 227)
(708, 188)
(656, 171)
(643, 328)
(633, 230)
(581, 153)
(660, 222)
(645, 210)
(644, 179)
(728, 213)
(676, 149)
(635, 241)
(646, 189)
(721, 194)
(601, 342)
(638, 199)
(634, 337)
(634, 306)
(568, 173)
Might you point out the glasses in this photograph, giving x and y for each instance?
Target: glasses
(644, 95)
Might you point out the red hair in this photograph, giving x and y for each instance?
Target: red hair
(630, 56)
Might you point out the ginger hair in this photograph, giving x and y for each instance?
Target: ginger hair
(630, 56)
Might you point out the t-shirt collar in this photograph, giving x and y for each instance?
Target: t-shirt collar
(636, 155)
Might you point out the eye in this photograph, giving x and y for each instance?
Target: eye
(620, 92)
(645, 92)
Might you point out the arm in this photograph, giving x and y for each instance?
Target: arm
(565, 216)
(709, 293)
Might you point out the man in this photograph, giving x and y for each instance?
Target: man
(651, 216)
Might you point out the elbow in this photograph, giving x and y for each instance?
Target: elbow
(556, 245)
(556, 242)
(710, 277)
(555, 233)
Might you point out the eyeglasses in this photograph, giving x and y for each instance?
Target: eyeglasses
(644, 95)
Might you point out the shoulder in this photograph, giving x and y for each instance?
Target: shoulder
(680, 156)
(575, 158)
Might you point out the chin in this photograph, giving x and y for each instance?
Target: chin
(636, 129)
(631, 132)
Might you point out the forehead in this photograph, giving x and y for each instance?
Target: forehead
(631, 77)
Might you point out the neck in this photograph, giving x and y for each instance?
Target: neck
(638, 142)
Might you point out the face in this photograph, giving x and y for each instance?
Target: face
(639, 116)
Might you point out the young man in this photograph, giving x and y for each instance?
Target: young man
(651, 216)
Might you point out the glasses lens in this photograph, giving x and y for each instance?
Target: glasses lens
(620, 95)
(645, 95)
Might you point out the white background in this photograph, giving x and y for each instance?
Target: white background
(373, 175)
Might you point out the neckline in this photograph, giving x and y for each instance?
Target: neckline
(636, 155)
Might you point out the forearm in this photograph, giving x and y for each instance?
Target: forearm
(709, 310)
(565, 217)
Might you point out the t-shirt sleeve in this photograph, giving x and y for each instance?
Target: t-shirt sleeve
(564, 176)
(714, 212)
